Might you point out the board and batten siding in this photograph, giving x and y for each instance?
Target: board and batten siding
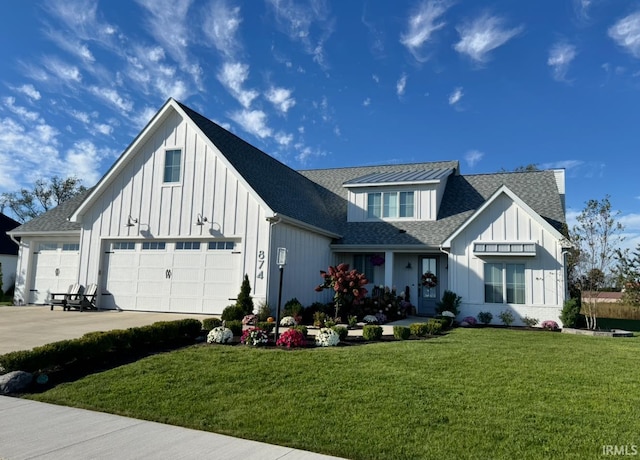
(505, 221)
(427, 198)
(169, 211)
(307, 254)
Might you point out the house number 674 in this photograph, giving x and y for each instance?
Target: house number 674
(260, 264)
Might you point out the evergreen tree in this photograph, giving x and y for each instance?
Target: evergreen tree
(245, 301)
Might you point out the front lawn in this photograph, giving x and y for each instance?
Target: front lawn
(474, 393)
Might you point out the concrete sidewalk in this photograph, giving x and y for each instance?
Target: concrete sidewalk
(35, 430)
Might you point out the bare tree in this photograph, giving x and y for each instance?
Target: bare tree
(597, 238)
(45, 195)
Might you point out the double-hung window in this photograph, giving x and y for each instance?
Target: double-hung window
(392, 205)
(172, 162)
(504, 283)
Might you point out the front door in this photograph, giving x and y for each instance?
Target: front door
(429, 294)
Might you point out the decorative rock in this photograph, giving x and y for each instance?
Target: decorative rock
(15, 381)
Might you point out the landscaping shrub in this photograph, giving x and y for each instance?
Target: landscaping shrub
(485, 317)
(209, 324)
(450, 302)
(352, 320)
(292, 308)
(434, 327)
(446, 319)
(220, 334)
(91, 348)
(301, 328)
(372, 332)
(319, 318)
(418, 329)
(267, 326)
(470, 320)
(308, 314)
(292, 338)
(232, 313)
(401, 332)
(550, 325)
(264, 311)
(342, 331)
(529, 322)
(570, 312)
(506, 317)
(327, 338)
(254, 337)
(245, 301)
(235, 326)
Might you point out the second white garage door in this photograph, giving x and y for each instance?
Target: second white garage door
(167, 276)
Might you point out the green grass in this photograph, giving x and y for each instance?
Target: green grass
(475, 393)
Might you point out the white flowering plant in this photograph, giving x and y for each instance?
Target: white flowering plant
(327, 337)
(288, 321)
(370, 319)
(254, 337)
(219, 334)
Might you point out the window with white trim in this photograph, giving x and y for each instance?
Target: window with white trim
(363, 263)
(123, 246)
(221, 245)
(504, 283)
(392, 205)
(153, 246)
(172, 162)
(188, 246)
(516, 249)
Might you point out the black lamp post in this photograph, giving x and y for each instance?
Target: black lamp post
(281, 261)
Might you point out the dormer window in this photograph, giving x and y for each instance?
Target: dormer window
(390, 205)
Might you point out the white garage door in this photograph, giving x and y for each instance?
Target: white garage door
(168, 276)
(55, 267)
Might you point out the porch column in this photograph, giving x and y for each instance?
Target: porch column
(388, 268)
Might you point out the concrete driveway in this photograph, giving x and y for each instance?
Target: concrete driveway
(22, 328)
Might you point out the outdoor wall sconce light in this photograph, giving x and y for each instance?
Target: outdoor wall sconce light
(201, 220)
(131, 221)
(408, 267)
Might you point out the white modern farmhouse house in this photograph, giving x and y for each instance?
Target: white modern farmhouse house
(189, 208)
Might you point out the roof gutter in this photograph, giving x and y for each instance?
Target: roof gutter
(278, 218)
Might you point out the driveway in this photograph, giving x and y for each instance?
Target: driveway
(22, 328)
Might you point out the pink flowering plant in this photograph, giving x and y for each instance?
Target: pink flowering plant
(347, 285)
(249, 319)
(550, 325)
(254, 337)
(291, 338)
(470, 320)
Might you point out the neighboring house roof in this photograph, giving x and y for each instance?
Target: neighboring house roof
(7, 247)
(55, 220)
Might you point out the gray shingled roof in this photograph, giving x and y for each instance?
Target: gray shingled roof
(463, 196)
(56, 219)
(284, 190)
(7, 246)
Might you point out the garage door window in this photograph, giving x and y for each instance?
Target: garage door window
(221, 245)
(48, 246)
(71, 247)
(188, 246)
(153, 246)
(123, 246)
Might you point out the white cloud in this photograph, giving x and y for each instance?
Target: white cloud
(455, 96)
(30, 91)
(309, 24)
(253, 122)
(581, 7)
(482, 35)
(232, 76)
(626, 33)
(221, 24)
(72, 46)
(142, 117)
(83, 159)
(401, 84)
(306, 152)
(472, 157)
(366, 102)
(283, 138)
(169, 25)
(112, 97)
(65, 72)
(424, 21)
(82, 117)
(560, 56)
(375, 78)
(280, 98)
(27, 115)
(104, 128)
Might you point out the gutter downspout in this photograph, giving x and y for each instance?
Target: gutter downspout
(442, 250)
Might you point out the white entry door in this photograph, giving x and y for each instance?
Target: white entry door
(55, 267)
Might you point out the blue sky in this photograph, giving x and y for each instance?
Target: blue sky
(318, 84)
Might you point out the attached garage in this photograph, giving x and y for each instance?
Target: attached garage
(171, 276)
(55, 266)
